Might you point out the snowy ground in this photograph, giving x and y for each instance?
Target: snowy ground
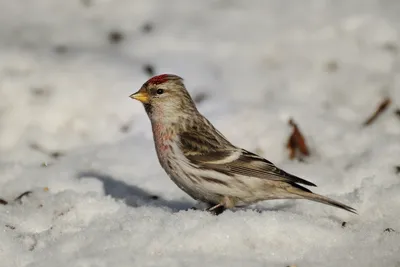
(64, 88)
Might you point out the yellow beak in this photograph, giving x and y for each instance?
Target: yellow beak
(141, 95)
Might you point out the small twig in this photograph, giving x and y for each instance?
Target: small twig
(3, 202)
(19, 198)
(296, 142)
(380, 109)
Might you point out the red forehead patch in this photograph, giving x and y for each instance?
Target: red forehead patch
(158, 79)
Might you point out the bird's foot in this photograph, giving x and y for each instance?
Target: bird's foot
(226, 203)
(216, 209)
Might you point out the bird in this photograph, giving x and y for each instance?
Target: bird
(203, 163)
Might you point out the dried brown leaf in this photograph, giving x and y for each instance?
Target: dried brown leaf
(379, 110)
(296, 142)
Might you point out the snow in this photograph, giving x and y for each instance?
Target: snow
(106, 201)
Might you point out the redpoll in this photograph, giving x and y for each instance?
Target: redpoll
(203, 163)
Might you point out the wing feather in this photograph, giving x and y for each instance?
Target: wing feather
(208, 151)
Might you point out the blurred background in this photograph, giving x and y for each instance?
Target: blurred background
(67, 67)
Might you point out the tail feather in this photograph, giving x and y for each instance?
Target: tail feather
(307, 194)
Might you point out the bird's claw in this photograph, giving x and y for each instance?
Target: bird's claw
(226, 202)
(216, 209)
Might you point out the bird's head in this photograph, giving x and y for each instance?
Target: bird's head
(165, 98)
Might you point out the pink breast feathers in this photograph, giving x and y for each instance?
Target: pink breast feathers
(162, 139)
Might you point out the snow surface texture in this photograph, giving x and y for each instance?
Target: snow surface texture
(64, 87)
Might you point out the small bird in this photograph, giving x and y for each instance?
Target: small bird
(203, 163)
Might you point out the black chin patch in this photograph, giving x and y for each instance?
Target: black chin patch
(148, 108)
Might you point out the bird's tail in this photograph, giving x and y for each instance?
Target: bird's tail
(303, 192)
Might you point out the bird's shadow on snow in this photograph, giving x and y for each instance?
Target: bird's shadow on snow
(132, 195)
(135, 196)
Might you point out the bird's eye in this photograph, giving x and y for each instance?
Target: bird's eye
(160, 91)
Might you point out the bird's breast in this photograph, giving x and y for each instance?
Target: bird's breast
(163, 140)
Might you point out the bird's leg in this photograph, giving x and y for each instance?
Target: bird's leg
(216, 209)
(226, 203)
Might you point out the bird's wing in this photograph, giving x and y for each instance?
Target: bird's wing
(203, 140)
(206, 151)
